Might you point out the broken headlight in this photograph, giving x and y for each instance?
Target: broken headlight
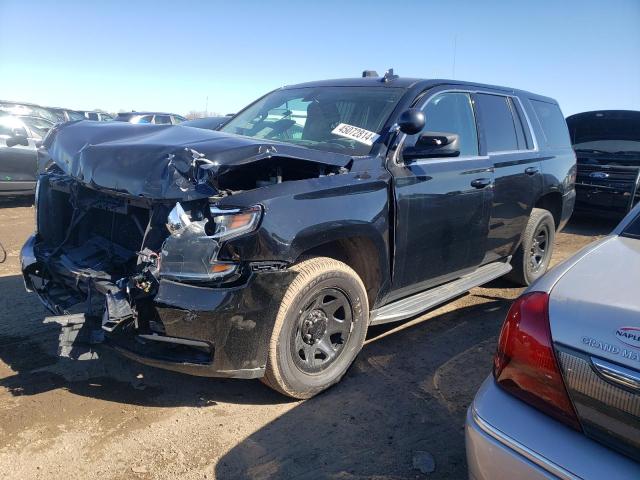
(190, 252)
(232, 223)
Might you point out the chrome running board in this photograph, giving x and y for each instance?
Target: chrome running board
(423, 301)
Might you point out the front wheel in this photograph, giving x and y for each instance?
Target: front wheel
(320, 328)
(532, 258)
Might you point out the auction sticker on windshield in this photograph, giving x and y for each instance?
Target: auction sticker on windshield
(355, 133)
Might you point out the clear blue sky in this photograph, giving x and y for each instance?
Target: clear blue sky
(172, 55)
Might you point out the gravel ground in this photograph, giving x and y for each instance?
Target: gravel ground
(109, 418)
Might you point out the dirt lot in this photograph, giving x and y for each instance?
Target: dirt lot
(110, 418)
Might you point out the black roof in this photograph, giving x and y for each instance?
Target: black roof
(410, 83)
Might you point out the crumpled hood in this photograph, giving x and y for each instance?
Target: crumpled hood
(159, 161)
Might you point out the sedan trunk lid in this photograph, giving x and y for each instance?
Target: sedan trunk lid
(594, 313)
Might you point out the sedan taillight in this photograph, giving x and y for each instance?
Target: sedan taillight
(525, 364)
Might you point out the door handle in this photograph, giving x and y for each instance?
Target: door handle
(481, 182)
(531, 170)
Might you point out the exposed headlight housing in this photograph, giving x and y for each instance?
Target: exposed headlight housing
(190, 252)
(232, 223)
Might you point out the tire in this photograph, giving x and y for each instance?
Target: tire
(325, 297)
(527, 267)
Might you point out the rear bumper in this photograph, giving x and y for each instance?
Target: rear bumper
(216, 332)
(506, 438)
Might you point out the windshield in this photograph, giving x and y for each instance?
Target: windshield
(344, 120)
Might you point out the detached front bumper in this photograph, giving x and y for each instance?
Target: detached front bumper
(216, 332)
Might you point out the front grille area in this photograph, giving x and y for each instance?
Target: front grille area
(608, 413)
(617, 177)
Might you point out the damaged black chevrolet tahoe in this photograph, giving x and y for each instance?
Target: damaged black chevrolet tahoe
(267, 248)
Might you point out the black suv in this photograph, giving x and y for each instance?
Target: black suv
(607, 144)
(267, 248)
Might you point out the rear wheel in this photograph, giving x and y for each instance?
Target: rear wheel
(532, 258)
(319, 330)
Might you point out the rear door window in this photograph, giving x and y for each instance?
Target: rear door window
(498, 123)
(162, 120)
(553, 124)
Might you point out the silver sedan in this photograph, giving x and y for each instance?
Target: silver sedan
(564, 397)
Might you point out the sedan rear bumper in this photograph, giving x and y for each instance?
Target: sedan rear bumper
(506, 438)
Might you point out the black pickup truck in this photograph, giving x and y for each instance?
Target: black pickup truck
(265, 249)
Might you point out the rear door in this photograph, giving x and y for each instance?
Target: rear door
(442, 204)
(512, 150)
(17, 162)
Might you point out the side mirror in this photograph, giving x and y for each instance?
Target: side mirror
(17, 138)
(433, 145)
(411, 121)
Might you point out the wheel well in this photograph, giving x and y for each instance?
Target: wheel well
(553, 203)
(361, 254)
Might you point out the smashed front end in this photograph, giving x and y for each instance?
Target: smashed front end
(143, 266)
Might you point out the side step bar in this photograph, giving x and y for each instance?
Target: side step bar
(423, 301)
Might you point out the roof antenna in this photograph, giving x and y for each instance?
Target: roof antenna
(388, 76)
(369, 73)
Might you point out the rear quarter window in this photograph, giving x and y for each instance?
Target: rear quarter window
(554, 126)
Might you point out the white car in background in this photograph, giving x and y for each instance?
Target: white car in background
(564, 397)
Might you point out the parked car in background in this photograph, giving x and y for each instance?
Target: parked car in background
(65, 114)
(564, 397)
(19, 137)
(150, 117)
(37, 127)
(607, 145)
(27, 109)
(210, 123)
(98, 116)
(266, 248)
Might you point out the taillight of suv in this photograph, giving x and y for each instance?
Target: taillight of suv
(525, 364)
